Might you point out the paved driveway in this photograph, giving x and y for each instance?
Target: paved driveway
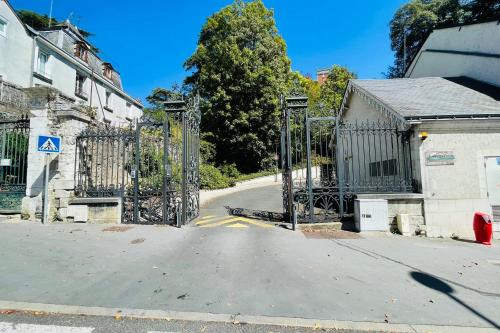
(252, 270)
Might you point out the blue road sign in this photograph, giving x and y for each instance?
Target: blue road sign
(49, 144)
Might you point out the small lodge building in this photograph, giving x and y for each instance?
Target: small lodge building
(449, 103)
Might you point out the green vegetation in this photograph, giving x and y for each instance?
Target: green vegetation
(211, 178)
(416, 19)
(323, 99)
(240, 68)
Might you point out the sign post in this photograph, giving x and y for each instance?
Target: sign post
(49, 145)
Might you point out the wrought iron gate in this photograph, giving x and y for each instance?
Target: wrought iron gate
(326, 162)
(14, 136)
(153, 167)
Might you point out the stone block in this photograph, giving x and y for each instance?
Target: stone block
(62, 194)
(30, 206)
(105, 213)
(62, 202)
(62, 214)
(63, 184)
(404, 224)
(78, 212)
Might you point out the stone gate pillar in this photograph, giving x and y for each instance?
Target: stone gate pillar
(52, 113)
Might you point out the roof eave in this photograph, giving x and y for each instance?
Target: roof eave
(373, 101)
(412, 119)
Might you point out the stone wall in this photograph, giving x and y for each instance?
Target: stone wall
(55, 114)
(412, 207)
(411, 204)
(13, 100)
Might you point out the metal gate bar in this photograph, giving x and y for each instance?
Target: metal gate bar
(340, 161)
(14, 136)
(152, 166)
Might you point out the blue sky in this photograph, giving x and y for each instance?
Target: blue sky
(148, 40)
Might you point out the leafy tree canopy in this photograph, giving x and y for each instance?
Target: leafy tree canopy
(240, 68)
(332, 91)
(157, 98)
(323, 99)
(416, 19)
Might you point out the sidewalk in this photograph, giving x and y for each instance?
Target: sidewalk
(254, 273)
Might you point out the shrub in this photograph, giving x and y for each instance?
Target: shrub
(230, 170)
(212, 178)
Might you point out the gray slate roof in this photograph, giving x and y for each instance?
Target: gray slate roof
(435, 97)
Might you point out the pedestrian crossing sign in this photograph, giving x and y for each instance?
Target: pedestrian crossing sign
(49, 144)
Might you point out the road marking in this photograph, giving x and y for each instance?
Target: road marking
(207, 221)
(29, 328)
(234, 222)
(236, 225)
(218, 223)
(207, 217)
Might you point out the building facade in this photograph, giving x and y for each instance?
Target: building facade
(449, 104)
(469, 50)
(322, 75)
(52, 82)
(61, 58)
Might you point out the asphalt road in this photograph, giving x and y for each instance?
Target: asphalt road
(252, 269)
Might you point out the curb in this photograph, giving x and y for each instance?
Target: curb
(237, 319)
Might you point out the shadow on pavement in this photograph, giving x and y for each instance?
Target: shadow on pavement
(439, 285)
(255, 214)
(465, 240)
(378, 255)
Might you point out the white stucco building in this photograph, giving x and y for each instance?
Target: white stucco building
(52, 82)
(60, 57)
(469, 50)
(450, 103)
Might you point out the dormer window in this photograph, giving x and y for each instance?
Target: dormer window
(82, 51)
(107, 71)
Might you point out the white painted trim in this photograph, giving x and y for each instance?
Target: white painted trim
(372, 101)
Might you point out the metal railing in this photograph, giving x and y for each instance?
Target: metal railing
(326, 162)
(152, 166)
(14, 137)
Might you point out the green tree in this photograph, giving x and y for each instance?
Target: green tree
(332, 91)
(240, 68)
(482, 10)
(411, 25)
(414, 21)
(158, 97)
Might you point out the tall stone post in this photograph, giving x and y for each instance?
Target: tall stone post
(52, 114)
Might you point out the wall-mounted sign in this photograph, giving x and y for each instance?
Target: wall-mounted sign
(49, 144)
(498, 160)
(439, 158)
(5, 162)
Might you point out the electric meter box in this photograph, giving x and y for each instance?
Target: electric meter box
(371, 214)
